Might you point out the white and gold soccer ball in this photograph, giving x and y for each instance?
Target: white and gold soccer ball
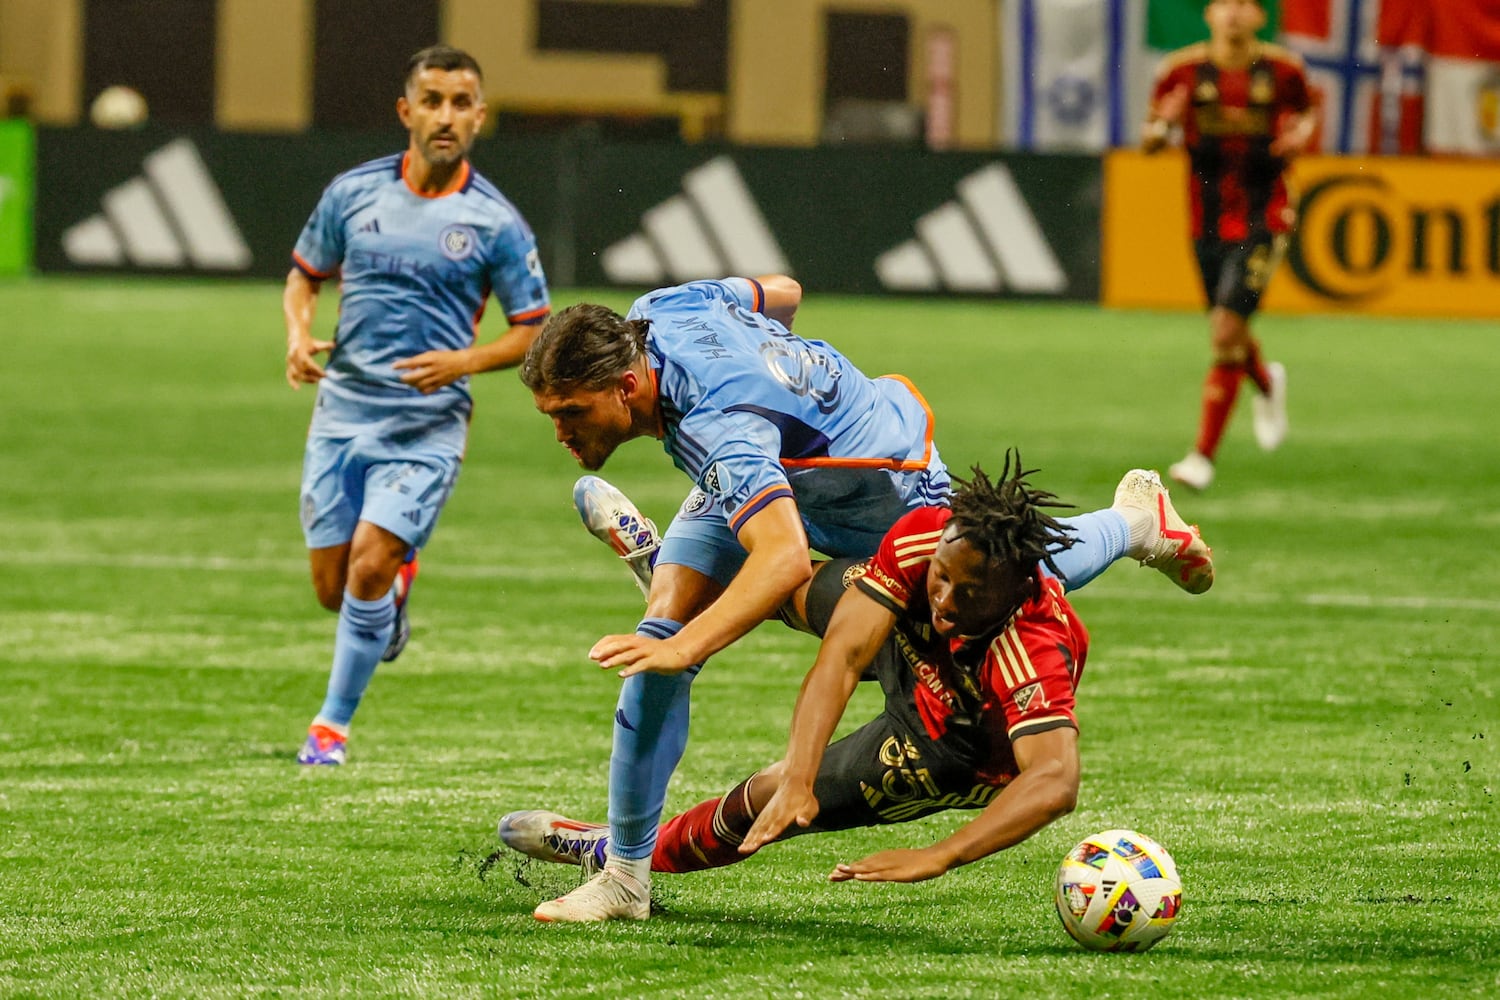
(118, 107)
(1118, 891)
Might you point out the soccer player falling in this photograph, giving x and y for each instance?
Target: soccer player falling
(789, 446)
(1243, 110)
(418, 240)
(962, 619)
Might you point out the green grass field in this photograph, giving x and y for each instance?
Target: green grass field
(1315, 739)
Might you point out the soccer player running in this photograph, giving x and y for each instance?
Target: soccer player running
(1244, 111)
(790, 446)
(961, 618)
(419, 240)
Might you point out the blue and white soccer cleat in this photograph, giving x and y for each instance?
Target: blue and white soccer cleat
(547, 836)
(402, 633)
(614, 520)
(323, 746)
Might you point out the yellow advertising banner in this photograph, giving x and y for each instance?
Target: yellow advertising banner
(1381, 235)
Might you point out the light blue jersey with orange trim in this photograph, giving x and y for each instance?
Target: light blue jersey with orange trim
(753, 412)
(415, 275)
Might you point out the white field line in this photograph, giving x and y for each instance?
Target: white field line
(241, 564)
(606, 570)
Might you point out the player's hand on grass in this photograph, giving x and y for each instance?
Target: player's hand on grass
(431, 370)
(901, 865)
(793, 802)
(637, 654)
(301, 363)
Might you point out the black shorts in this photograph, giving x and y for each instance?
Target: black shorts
(1235, 274)
(888, 770)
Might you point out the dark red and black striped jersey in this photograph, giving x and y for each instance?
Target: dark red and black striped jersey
(976, 695)
(1236, 187)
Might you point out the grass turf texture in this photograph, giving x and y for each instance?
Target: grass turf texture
(1315, 740)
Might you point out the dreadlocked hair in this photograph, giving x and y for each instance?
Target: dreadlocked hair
(1004, 520)
(586, 346)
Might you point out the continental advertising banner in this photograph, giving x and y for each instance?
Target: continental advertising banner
(1389, 236)
(636, 214)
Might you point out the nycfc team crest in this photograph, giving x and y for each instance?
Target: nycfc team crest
(458, 242)
(695, 503)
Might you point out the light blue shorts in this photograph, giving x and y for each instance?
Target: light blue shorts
(849, 519)
(401, 488)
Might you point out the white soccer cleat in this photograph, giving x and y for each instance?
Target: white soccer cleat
(1195, 471)
(613, 519)
(612, 894)
(547, 836)
(1172, 546)
(1270, 410)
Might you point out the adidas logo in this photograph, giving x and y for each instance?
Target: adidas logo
(171, 217)
(984, 241)
(712, 229)
(373, 226)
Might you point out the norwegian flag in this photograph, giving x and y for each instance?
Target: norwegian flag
(1367, 66)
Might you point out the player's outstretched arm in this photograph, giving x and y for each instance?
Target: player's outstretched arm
(776, 566)
(1046, 789)
(1166, 112)
(783, 296)
(299, 302)
(431, 370)
(857, 630)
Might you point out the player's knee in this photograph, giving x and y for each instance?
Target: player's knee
(1230, 337)
(371, 575)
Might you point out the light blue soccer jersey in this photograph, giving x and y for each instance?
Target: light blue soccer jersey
(415, 274)
(753, 412)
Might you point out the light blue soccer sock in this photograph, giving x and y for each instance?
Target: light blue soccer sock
(1101, 537)
(364, 630)
(651, 731)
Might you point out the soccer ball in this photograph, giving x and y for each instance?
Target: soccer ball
(1118, 891)
(118, 107)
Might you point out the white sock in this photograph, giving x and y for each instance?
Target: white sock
(637, 868)
(1142, 525)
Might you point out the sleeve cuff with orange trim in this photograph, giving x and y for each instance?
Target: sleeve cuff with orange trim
(530, 316)
(308, 269)
(756, 504)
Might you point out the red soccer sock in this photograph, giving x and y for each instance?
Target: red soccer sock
(706, 836)
(1255, 367)
(1219, 391)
